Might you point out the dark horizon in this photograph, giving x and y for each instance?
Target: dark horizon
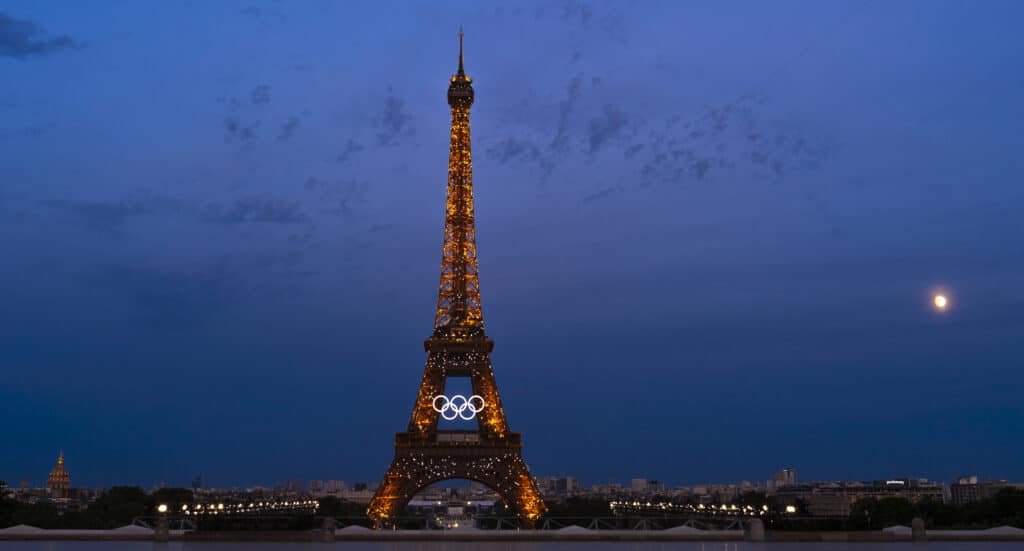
(709, 236)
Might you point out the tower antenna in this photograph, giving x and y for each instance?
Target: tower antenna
(461, 72)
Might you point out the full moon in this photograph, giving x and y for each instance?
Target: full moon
(940, 302)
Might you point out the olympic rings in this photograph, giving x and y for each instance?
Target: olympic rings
(456, 407)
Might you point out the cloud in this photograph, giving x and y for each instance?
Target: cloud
(393, 121)
(339, 196)
(351, 147)
(111, 215)
(31, 131)
(605, 127)
(256, 12)
(231, 102)
(22, 39)
(547, 155)
(236, 130)
(513, 149)
(733, 135)
(632, 150)
(739, 138)
(288, 129)
(560, 142)
(597, 195)
(581, 16)
(577, 12)
(260, 95)
(269, 210)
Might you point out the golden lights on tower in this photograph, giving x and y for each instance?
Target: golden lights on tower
(458, 347)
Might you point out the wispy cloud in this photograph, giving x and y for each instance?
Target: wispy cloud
(337, 197)
(573, 92)
(734, 135)
(111, 215)
(270, 210)
(288, 129)
(260, 95)
(513, 149)
(23, 39)
(597, 195)
(394, 121)
(236, 130)
(351, 148)
(605, 127)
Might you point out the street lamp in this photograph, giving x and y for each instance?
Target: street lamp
(162, 508)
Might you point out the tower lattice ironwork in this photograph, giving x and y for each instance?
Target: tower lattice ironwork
(458, 347)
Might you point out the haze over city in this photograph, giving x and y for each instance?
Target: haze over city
(710, 246)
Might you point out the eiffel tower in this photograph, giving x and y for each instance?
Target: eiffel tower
(458, 347)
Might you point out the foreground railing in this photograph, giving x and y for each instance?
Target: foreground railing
(183, 524)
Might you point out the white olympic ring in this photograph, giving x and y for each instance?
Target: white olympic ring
(457, 405)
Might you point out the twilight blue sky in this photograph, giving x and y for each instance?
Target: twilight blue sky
(708, 234)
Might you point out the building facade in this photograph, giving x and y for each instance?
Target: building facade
(968, 489)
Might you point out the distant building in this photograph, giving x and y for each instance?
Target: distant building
(967, 489)
(360, 493)
(835, 499)
(782, 477)
(610, 489)
(644, 486)
(558, 486)
(334, 486)
(59, 483)
(452, 511)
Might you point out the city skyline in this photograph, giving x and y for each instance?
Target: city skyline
(58, 485)
(710, 245)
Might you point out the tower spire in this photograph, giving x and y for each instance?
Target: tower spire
(462, 73)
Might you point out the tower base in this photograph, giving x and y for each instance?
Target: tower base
(496, 464)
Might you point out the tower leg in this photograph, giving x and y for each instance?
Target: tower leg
(501, 470)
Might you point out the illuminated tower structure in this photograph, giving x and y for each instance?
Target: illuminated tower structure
(458, 347)
(59, 483)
